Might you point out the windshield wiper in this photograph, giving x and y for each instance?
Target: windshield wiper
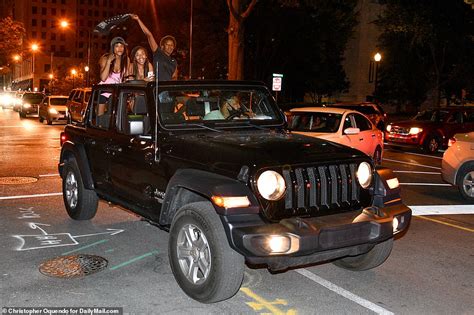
(194, 125)
(247, 122)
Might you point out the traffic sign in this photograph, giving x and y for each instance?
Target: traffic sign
(277, 81)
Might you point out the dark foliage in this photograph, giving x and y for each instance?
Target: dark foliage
(428, 49)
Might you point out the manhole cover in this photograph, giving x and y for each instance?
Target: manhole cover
(17, 180)
(73, 266)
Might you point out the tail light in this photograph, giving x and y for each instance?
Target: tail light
(451, 142)
(62, 138)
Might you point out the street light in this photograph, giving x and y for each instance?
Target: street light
(63, 23)
(73, 73)
(34, 48)
(377, 59)
(86, 69)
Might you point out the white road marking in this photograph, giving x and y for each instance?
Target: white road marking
(415, 164)
(442, 209)
(416, 172)
(48, 175)
(348, 295)
(424, 184)
(425, 155)
(30, 196)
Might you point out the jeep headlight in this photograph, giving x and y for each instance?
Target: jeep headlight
(364, 174)
(271, 185)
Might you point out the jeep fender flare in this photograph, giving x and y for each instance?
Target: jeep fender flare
(191, 185)
(79, 153)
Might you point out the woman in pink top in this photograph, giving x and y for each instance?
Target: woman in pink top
(114, 65)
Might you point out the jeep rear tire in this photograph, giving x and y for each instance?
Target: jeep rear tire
(373, 258)
(81, 203)
(206, 268)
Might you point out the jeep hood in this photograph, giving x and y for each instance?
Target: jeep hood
(229, 151)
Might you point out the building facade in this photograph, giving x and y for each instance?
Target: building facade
(60, 48)
(359, 64)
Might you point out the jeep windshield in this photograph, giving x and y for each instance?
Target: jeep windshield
(229, 107)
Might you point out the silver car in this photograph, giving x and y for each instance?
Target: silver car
(457, 167)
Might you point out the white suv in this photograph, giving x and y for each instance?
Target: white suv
(457, 167)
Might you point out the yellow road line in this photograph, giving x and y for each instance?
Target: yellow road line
(261, 303)
(448, 224)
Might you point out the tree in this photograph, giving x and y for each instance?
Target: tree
(304, 40)
(428, 47)
(238, 13)
(11, 34)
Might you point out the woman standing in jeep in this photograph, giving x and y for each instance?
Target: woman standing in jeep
(140, 68)
(114, 65)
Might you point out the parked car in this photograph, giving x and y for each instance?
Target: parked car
(431, 129)
(347, 127)
(77, 103)
(30, 103)
(373, 111)
(7, 99)
(53, 108)
(457, 166)
(229, 189)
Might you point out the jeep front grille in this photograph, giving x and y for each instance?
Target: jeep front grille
(312, 190)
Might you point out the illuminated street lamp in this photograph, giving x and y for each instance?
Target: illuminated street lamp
(63, 23)
(86, 69)
(73, 73)
(377, 58)
(34, 48)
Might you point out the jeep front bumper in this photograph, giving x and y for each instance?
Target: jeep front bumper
(298, 241)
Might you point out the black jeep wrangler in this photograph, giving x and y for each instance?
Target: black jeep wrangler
(212, 163)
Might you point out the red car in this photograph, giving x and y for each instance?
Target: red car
(431, 129)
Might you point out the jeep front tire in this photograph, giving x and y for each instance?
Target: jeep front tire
(81, 203)
(203, 264)
(373, 258)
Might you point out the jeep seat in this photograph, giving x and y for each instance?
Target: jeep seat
(139, 121)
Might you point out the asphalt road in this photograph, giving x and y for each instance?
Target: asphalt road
(430, 270)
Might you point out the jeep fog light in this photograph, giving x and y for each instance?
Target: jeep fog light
(393, 183)
(271, 185)
(395, 224)
(278, 244)
(231, 202)
(364, 174)
(398, 223)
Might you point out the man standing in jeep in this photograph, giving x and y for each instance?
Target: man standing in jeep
(167, 65)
